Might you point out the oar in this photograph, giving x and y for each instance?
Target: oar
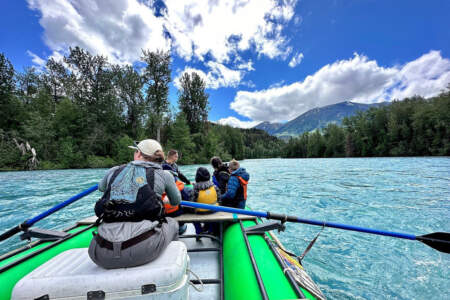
(436, 240)
(30, 222)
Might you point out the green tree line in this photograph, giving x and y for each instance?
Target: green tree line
(411, 127)
(83, 112)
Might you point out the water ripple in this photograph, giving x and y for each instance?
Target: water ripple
(409, 195)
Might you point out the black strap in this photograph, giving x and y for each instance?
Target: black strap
(150, 174)
(103, 243)
(300, 258)
(114, 176)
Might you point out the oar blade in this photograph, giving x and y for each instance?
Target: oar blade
(436, 240)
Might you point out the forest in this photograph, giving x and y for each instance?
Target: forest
(411, 127)
(83, 112)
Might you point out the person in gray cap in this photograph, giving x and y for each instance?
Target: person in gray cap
(134, 230)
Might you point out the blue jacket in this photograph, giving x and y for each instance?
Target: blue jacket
(234, 190)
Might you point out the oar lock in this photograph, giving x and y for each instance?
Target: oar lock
(264, 227)
(42, 234)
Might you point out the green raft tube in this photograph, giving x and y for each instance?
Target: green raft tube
(251, 261)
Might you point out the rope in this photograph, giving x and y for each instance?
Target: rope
(198, 278)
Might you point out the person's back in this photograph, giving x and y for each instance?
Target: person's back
(236, 194)
(221, 174)
(134, 230)
(204, 190)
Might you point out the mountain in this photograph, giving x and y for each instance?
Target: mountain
(317, 118)
(268, 127)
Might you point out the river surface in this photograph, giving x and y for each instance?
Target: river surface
(410, 195)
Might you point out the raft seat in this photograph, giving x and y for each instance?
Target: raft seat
(72, 274)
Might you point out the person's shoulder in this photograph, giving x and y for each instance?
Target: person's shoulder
(167, 174)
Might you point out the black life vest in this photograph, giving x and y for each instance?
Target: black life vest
(148, 205)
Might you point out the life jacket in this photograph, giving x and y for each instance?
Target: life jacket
(241, 192)
(207, 196)
(168, 208)
(243, 185)
(117, 203)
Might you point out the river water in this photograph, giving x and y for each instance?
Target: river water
(410, 195)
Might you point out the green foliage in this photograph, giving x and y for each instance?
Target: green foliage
(10, 156)
(156, 76)
(193, 101)
(93, 161)
(412, 127)
(68, 154)
(123, 154)
(180, 139)
(86, 112)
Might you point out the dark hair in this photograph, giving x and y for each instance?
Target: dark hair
(158, 157)
(172, 152)
(216, 162)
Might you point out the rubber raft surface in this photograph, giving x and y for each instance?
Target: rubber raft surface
(239, 276)
(10, 277)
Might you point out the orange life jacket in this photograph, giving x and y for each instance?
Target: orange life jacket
(244, 186)
(168, 208)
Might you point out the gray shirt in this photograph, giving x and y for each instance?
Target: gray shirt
(164, 181)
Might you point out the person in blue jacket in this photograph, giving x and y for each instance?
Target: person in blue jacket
(236, 194)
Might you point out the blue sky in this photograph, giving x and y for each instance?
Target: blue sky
(263, 60)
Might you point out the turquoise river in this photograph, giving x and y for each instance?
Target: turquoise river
(410, 195)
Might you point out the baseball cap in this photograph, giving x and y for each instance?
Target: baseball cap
(148, 147)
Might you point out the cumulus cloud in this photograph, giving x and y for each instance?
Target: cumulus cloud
(208, 30)
(218, 75)
(425, 76)
(39, 62)
(118, 29)
(296, 60)
(235, 122)
(222, 28)
(357, 79)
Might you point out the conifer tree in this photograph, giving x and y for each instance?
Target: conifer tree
(193, 100)
(157, 78)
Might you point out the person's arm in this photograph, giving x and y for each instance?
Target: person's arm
(171, 189)
(233, 185)
(214, 180)
(218, 193)
(103, 184)
(183, 178)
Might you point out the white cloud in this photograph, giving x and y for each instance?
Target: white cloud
(218, 76)
(425, 76)
(357, 79)
(39, 62)
(235, 122)
(296, 60)
(222, 28)
(119, 29)
(246, 66)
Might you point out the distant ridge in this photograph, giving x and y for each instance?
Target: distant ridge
(316, 118)
(268, 127)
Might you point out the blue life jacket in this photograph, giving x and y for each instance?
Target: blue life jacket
(130, 196)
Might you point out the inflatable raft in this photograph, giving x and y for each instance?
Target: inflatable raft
(245, 261)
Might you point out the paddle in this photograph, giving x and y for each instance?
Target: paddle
(437, 240)
(30, 222)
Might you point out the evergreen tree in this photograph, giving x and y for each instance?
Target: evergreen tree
(193, 101)
(128, 84)
(180, 139)
(157, 78)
